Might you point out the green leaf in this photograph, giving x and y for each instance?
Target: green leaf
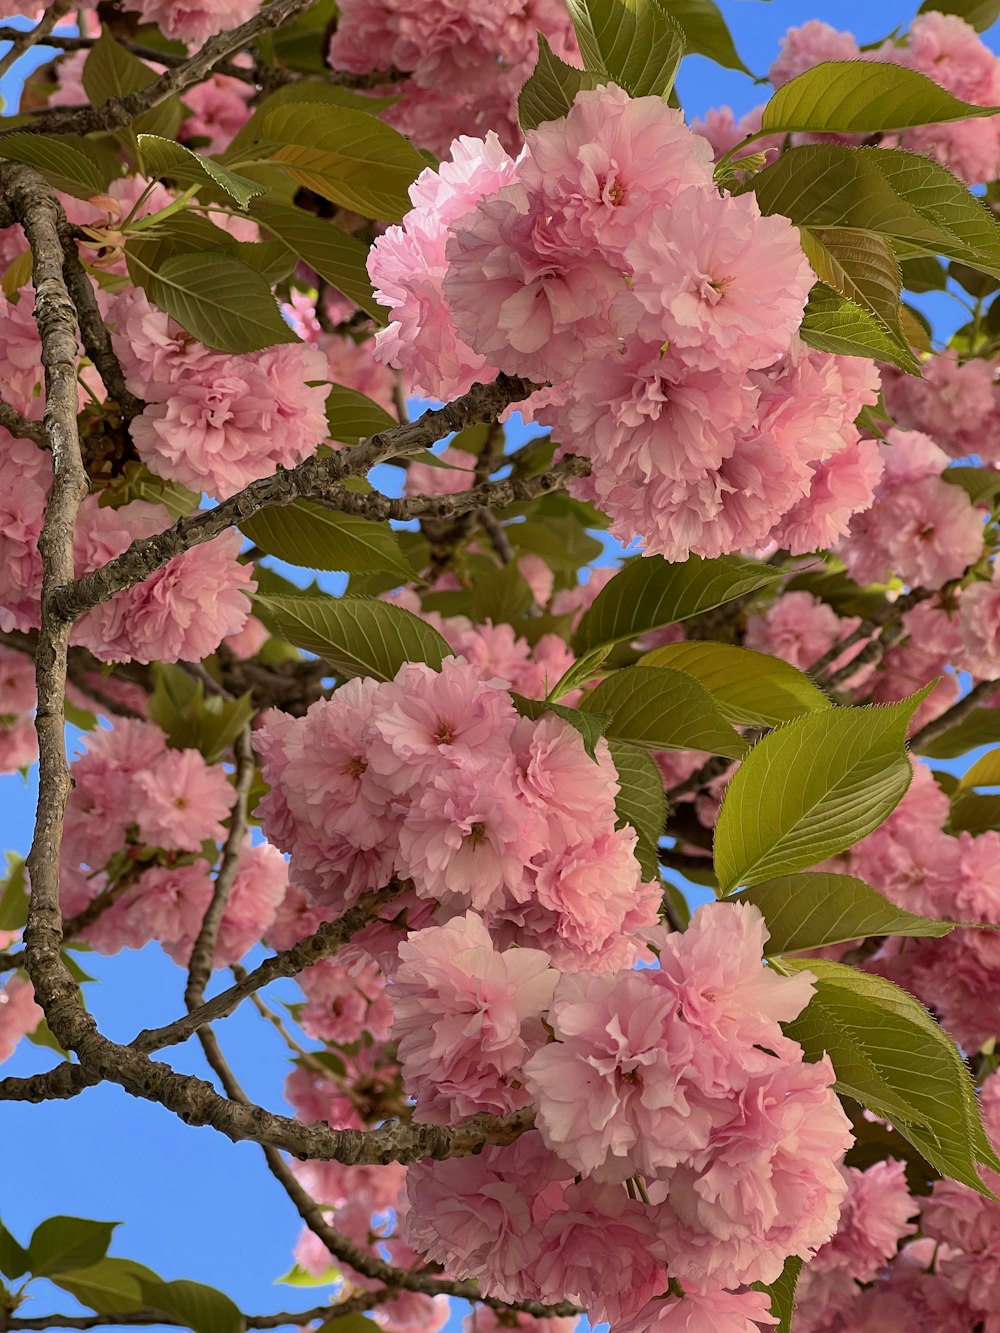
(748, 688)
(13, 1256)
(810, 911)
(193, 720)
(550, 91)
(201, 1308)
(66, 161)
(337, 257)
(705, 31)
(314, 537)
(297, 1276)
(981, 484)
(910, 199)
(782, 1293)
(562, 542)
(641, 802)
(811, 789)
(922, 273)
(861, 267)
(651, 592)
(832, 323)
(136, 482)
(343, 155)
(979, 14)
(111, 1286)
(112, 72)
(985, 772)
(891, 1056)
(14, 898)
(591, 726)
(218, 299)
(980, 727)
(63, 1244)
(635, 43)
(356, 636)
(502, 596)
(164, 157)
(351, 416)
(972, 813)
(661, 709)
(862, 97)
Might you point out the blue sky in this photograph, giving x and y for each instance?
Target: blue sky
(193, 1204)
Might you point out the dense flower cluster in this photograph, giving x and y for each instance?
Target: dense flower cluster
(672, 350)
(466, 61)
(433, 778)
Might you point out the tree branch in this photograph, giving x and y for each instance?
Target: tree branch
(203, 953)
(953, 715)
(117, 112)
(11, 419)
(483, 402)
(24, 41)
(356, 1304)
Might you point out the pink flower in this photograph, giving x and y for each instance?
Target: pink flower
(218, 110)
(425, 479)
(19, 1014)
(258, 889)
(156, 354)
(466, 1018)
(230, 420)
(183, 800)
(811, 44)
(481, 1216)
(841, 486)
(979, 625)
(428, 720)
(524, 298)
(798, 627)
(183, 611)
(874, 1219)
(484, 1319)
(25, 478)
(169, 905)
(610, 1091)
(345, 999)
(193, 20)
(722, 283)
(467, 839)
(601, 1231)
(610, 163)
(408, 263)
(766, 1186)
(954, 403)
(703, 1312)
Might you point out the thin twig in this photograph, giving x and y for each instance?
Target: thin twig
(11, 419)
(953, 715)
(356, 1304)
(24, 41)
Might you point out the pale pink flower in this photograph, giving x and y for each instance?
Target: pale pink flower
(428, 720)
(766, 1186)
(426, 479)
(954, 402)
(345, 999)
(181, 612)
(169, 905)
(841, 486)
(467, 839)
(481, 1216)
(357, 366)
(156, 354)
(798, 627)
(182, 801)
(230, 420)
(610, 163)
(979, 625)
(407, 265)
(25, 478)
(874, 1220)
(724, 132)
(561, 778)
(610, 1089)
(466, 1018)
(315, 1098)
(811, 44)
(724, 284)
(248, 641)
(484, 1319)
(259, 887)
(601, 1231)
(218, 110)
(194, 20)
(703, 1312)
(19, 1013)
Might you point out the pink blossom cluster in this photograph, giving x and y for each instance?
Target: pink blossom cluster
(920, 528)
(193, 21)
(466, 60)
(956, 403)
(433, 778)
(137, 824)
(671, 346)
(216, 422)
(944, 47)
(678, 1075)
(18, 743)
(19, 1014)
(943, 1282)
